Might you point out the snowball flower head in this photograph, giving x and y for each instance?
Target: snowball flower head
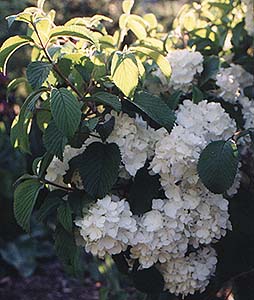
(108, 226)
(187, 275)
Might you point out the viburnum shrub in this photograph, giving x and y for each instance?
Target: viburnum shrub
(145, 135)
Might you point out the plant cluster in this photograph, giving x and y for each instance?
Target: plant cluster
(145, 135)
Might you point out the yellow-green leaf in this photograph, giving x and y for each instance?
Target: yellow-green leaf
(9, 47)
(125, 72)
(158, 58)
(127, 6)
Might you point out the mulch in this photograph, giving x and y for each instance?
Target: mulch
(48, 283)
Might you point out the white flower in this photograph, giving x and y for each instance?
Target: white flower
(232, 81)
(248, 6)
(135, 140)
(185, 65)
(187, 275)
(152, 220)
(108, 227)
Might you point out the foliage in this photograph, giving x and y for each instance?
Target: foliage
(110, 108)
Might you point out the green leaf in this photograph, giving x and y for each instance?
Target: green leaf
(249, 91)
(197, 94)
(50, 204)
(68, 252)
(66, 111)
(211, 67)
(21, 125)
(106, 128)
(125, 72)
(45, 162)
(158, 58)
(149, 281)
(9, 47)
(137, 28)
(25, 196)
(155, 108)
(144, 189)
(98, 167)
(37, 72)
(54, 140)
(108, 99)
(217, 166)
(14, 84)
(64, 216)
(127, 6)
(73, 31)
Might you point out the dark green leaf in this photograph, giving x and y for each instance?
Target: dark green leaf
(37, 72)
(54, 140)
(149, 281)
(66, 111)
(106, 128)
(197, 94)
(211, 67)
(155, 108)
(108, 99)
(249, 91)
(68, 252)
(98, 167)
(145, 188)
(25, 196)
(64, 216)
(217, 166)
(20, 127)
(50, 204)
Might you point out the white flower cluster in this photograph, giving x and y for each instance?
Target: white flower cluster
(188, 274)
(198, 125)
(190, 216)
(108, 227)
(135, 140)
(249, 16)
(185, 65)
(57, 168)
(232, 81)
(247, 111)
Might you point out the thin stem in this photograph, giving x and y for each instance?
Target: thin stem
(55, 67)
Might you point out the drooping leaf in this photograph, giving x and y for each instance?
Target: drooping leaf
(21, 125)
(14, 84)
(64, 216)
(98, 167)
(77, 31)
(54, 140)
(155, 108)
(9, 47)
(125, 72)
(25, 196)
(144, 189)
(158, 58)
(37, 72)
(217, 165)
(149, 281)
(108, 99)
(65, 110)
